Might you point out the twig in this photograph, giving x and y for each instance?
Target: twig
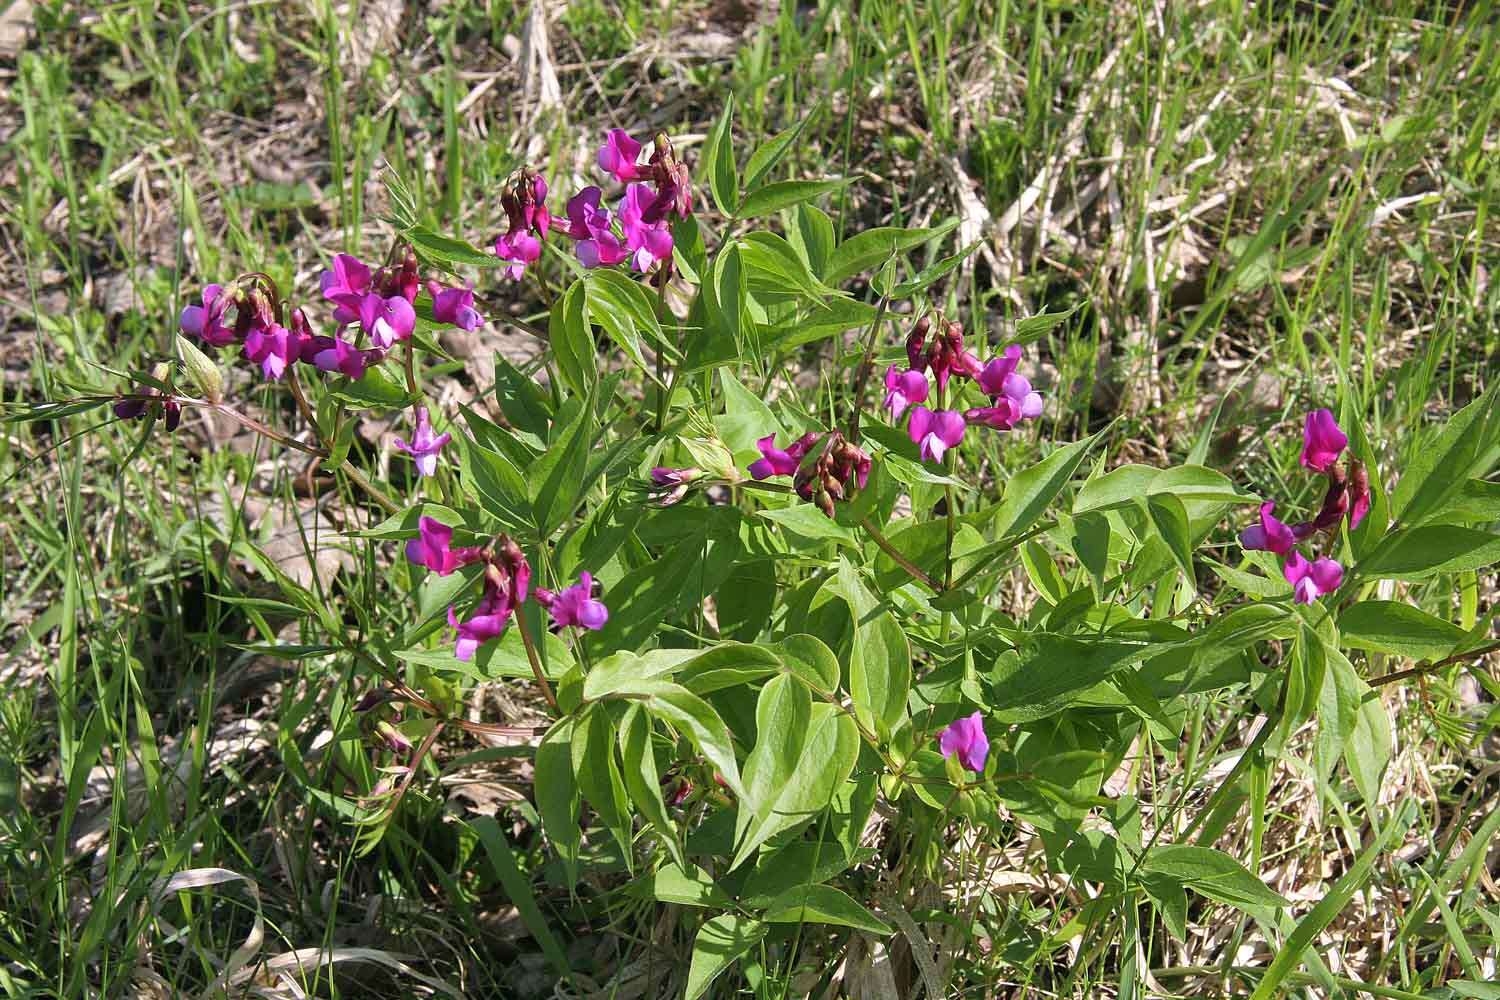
(1427, 668)
(536, 664)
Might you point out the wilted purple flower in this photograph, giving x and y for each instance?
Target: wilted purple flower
(1322, 441)
(575, 605)
(775, 462)
(148, 399)
(916, 344)
(648, 242)
(1311, 580)
(424, 445)
(432, 548)
(525, 204)
(206, 322)
(902, 389)
(966, 738)
(488, 621)
(674, 182)
(840, 468)
(1270, 535)
(618, 156)
(507, 579)
(455, 306)
(1359, 493)
(935, 432)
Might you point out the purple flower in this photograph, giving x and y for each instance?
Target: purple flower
(424, 445)
(1001, 382)
(206, 322)
(966, 738)
(386, 320)
(586, 217)
(575, 605)
(520, 248)
(775, 462)
(334, 354)
(935, 432)
(648, 242)
(618, 155)
(506, 580)
(1359, 491)
(431, 548)
(674, 483)
(275, 349)
(488, 621)
(1270, 535)
(902, 389)
(1322, 441)
(1311, 580)
(455, 306)
(345, 285)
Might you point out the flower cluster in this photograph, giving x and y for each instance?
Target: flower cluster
(378, 302)
(147, 399)
(635, 231)
(1346, 498)
(507, 582)
(1012, 399)
(839, 467)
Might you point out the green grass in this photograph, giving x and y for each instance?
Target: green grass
(1233, 195)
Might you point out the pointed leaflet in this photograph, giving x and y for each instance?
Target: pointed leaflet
(879, 656)
(826, 759)
(782, 714)
(872, 247)
(1028, 493)
(823, 904)
(720, 942)
(638, 766)
(556, 794)
(718, 162)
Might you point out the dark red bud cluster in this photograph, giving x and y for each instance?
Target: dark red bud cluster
(524, 199)
(1348, 495)
(839, 469)
(674, 182)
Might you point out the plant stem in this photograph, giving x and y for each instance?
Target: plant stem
(897, 557)
(665, 388)
(1427, 668)
(536, 663)
(866, 365)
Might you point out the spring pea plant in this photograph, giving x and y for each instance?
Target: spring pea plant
(781, 684)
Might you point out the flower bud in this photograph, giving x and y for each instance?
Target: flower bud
(392, 738)
(201, 369)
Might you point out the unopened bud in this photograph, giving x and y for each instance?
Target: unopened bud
(201, 369)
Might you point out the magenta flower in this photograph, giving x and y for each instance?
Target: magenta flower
(618, 155)
(206, 322)
(334, 354)
(274, 348)
(1311, 580)
(488, 621)
(648, 242)
(1004, 385)
(935, 432)
(431, 548)
(586, 217)
(520, 248)
(1322, 441)
(903, 389)
(966, 738)
(455, 306)
(386, 320)
(1270, 535)
(424, 445)
(674, 484)
(575, 605)
(1359, 491)
(345, 285)
(775, 462)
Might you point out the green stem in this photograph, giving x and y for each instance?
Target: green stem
(866, 365)
(897, 557)
(536, 663)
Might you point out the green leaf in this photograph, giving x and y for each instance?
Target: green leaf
(376, 391)
(827, 757)
(811, 659)
(686, 887)
(558, 478)
(773, 268)
(783, 713)
(447, 252)
(718, 162)
(868, 249)
(925, 278)
(1041, 676)
(1398, 628)
(572, 340)
(556, 794)
(1333, 902)
(696, 719)
(1028, 492)
(784, 194)
(720, 942)
(1438, 469)
(879, 659)
(598, 774)
(1213, 874)
(770, 152)
(823, 904)
(810, 522)
(826, 320)
(1417, 553)
(726, 665)
(1036, 327)
(1170, 519)
(812, 236)
(518, 889)
(497, 485)
(622, 307)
